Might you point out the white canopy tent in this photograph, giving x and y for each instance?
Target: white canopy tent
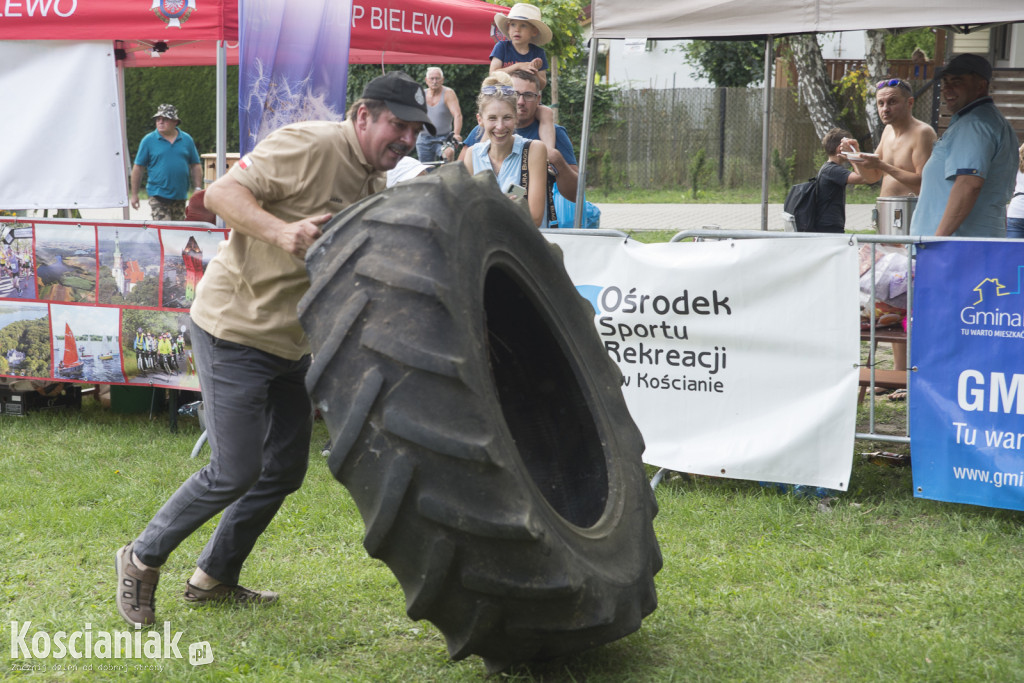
(728, 18)
(701, 19)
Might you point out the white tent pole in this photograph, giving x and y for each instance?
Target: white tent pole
(222, 108)
(123, 116)
(769, 58)
(222, 114)
(588, 105)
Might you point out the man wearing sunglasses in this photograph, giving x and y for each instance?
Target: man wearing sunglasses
(905, 145)
(562, 158)
(969, 177)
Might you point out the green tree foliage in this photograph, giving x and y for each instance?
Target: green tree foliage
(156, 322)
(31, 337)
(145, 293)
(464, 79)
(108, 288)
(572, 90)
(902, 45)
(726, 63)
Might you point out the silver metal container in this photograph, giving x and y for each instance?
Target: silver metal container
(894, 214)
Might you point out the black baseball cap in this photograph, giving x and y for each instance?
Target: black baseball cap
(403, 96)
(969, 64)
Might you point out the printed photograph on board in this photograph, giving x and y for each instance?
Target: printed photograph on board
(86, 343)
(129, 266)
(157, 348)
(24, 339)
(66, 263)
(16, 279)
(187, 252)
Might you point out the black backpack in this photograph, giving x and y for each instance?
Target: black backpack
(802, 203)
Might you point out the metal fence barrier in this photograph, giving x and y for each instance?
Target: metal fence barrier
(871, 362)
(912, 241)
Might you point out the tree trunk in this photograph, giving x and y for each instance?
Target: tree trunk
(878, 69)
(813, 83)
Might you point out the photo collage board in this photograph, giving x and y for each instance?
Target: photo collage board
(101, 302)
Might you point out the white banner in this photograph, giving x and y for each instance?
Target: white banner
(59, 112)
(739, 358)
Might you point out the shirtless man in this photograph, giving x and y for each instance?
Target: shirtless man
(904, 148)
(898, 161)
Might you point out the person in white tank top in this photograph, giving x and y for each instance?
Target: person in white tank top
(446, 115)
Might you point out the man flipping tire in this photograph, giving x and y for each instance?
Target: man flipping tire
(478, 422)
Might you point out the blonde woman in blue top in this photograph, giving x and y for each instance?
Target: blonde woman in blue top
(500, 151)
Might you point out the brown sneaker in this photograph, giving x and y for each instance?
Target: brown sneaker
(238, 595)
(136, 589)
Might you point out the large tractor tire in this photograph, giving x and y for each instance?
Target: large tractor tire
(478, 423)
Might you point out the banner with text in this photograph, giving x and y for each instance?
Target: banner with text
(739, 358)
(101, 302)
(967, 412)
(424, 31)
(166, 20)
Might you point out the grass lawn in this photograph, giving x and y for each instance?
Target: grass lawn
(855, 194)
(871, 585)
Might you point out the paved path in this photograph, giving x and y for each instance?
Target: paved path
(677, 217)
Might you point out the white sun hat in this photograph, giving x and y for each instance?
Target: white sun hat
(528, 13)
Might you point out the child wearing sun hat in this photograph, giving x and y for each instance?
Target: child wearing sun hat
(525, 32)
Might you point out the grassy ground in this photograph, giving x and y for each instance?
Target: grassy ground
(870, 585)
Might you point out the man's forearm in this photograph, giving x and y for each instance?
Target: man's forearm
(961, 200)
(871, 175)
(568, 177)
(233, 202)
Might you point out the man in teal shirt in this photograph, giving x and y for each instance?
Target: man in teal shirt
(170, 157)
(969, 177)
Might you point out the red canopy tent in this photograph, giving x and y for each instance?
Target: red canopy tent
(205, 32)
(184, 32)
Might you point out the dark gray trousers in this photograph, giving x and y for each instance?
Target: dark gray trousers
(258, 421)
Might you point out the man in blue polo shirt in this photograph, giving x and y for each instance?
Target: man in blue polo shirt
(562, 158)
(969, 177)
(170, 157)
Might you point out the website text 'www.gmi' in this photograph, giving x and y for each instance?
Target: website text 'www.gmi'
(996, 479)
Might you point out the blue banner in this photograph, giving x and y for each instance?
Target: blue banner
(967, 390)
(293, 64)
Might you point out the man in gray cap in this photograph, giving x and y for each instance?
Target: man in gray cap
(170, 157)
(251, 353)
(969, 177)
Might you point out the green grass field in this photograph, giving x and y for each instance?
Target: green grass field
(855, 194)
(758, 585)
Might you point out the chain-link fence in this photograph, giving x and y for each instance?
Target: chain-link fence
(657, 138)
(707, 137)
